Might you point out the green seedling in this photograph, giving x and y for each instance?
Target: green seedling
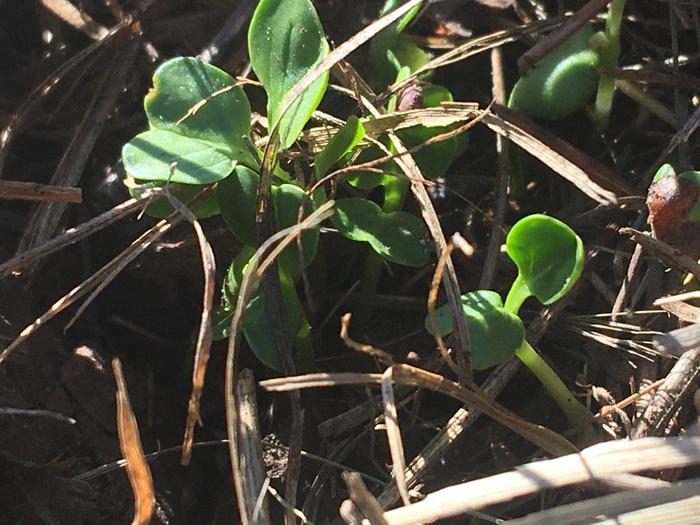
(390, 51)
(562, 83)
(549, 257)
(566, 79)
(285, 41)
(200, 134)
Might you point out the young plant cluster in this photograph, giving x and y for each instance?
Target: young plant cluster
(200, 134)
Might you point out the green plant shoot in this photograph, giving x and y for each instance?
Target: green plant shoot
(549, 257)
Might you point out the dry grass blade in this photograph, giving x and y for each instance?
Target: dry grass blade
(669, 255)
(684, 311)
(76, 18)
(474, 47)
(599, 461)
(393, 435)
(679, 341)
(130, 444)
(432, 300)
(98, 280)
(81, 231)
(204, 339)
(363, 499)
(679, 383)
(250, 479)
(588, 175)
(31, 191)
(404, 374)
(46, 217)
(271, 248)
(611, 505)
(39, 93)
(683, 512)
(548, 44)
(378, 353)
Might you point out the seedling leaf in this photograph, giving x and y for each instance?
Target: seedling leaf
(237, 197)
(258, 329)
(398, 237)
(163, 156)
(494, 333)
(549, 256)
(161, 207)
(199, 101)
(339, 145)
(563, 82)
(285, 41)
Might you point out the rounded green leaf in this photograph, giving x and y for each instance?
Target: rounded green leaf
(494, 333)
(357, 219)
(165, 156)
(237, 196)
(402, 239)
(399, 237)
(285, 41)
(549, 256)
(563, 82)
(197, 100)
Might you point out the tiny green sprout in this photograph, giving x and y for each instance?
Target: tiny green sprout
(549, 256)
(562, 83)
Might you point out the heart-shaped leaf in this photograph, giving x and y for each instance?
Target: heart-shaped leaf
(285, 41)
(339, 145)
(549, 256)
(494, 333)
(166, 156)
(399, 237)
(198, 119)
(195, 99)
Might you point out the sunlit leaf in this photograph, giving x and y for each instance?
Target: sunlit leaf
(285, 41)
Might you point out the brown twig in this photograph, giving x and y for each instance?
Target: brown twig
(31, 191)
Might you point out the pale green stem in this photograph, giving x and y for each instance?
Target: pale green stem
(516, 295)
(575, 412)
(609, 56)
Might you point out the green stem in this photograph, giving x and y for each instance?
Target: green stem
(394, 194)
(516, 295)
(575, 412)
(609, 57)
